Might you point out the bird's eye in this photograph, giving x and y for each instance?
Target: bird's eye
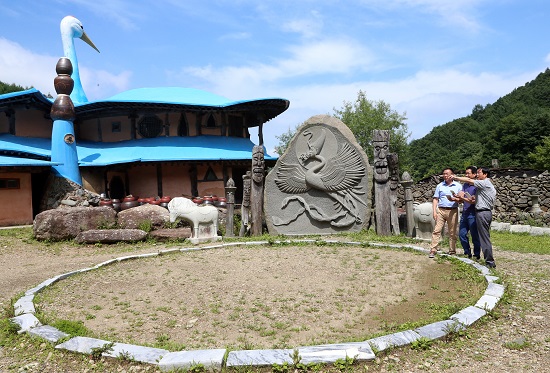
(82, 27)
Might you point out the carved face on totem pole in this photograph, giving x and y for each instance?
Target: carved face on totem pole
(258, 164)
(381, 145)
(393, 164)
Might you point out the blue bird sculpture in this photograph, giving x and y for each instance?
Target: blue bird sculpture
(72, 28)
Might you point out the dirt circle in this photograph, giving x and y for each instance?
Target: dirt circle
(248, 297)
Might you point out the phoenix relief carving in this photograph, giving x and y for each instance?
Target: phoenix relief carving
(338, 175)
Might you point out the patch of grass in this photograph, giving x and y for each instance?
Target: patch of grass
(517, 344)
(73, 328)
(521, 242)
(422, 343)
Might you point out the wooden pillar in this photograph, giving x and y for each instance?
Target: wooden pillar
(159, 179)
(381, 144)
(245, 205)
(257, 190)
(393, 162)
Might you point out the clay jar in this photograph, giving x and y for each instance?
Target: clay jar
(165, 199)
(198, 200)
(208, 200)
(128, 204)
(106, 202)
(116, 204)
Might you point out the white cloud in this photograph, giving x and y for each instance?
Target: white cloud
(328, 57)
(308, 26)
(457, 13)
(23, 67)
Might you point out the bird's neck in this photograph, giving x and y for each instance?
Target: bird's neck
(77, 95)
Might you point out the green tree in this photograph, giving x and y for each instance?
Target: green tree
(284, 140)
(363, 116)
(541, 155)
(9, 88)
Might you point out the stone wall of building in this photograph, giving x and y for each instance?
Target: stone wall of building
(515, 191)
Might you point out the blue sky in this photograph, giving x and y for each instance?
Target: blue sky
(430, 59)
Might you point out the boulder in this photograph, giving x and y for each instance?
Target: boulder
(65, 223)
(133, 217)
(170, 234)
(111, 235)
(321, 184)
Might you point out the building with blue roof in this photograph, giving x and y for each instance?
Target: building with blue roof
(148, 142)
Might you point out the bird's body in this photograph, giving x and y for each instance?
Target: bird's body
(338, 176)
(72, 28)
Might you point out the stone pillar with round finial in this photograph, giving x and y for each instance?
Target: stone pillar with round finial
(407, 182)
(230, 195)
(64, 154)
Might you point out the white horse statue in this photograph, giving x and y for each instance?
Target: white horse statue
(195, 215)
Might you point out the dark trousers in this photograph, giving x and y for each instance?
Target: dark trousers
(483, 220)
(468, 224)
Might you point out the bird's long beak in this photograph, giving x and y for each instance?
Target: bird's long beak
(87, 40)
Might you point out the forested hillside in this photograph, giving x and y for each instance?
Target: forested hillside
(507, 130)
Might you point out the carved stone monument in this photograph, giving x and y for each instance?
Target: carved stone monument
(406, 182)
(230, 195)
(424, 223)
(381, 144)
(320, 184)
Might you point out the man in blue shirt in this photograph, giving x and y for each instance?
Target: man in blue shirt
(445, 210)
(468, 218)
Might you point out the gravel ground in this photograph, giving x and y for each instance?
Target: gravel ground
(516, 338)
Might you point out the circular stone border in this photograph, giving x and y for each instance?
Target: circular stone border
(217, 358)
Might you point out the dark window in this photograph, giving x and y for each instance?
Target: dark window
(210, 175)
(150, 126)
(183, 128)
(9, 183)
(115, 127)
(236, 126)
(211, 122)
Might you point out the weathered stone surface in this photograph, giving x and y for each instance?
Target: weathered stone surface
(24, 305)
(65, 223)
(259, 357)
(111, 235)
(330, 353)
(83, 345)
(48, 333)
(393, 340)
(424, 223)
(516, 228)
(170, 234)
(25, 322)
(210, 359)
(133, 217)
(438, 329)
(468, 315)
(321, 184)
(137, 353)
